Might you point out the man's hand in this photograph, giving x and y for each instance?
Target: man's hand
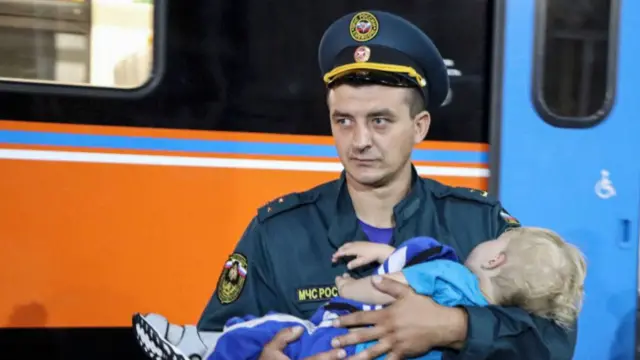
(410, 327)
(274, 350)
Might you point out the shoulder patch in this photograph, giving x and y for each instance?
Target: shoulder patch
(469, 194)
(233, 277)
(285, 203)
(510, 220)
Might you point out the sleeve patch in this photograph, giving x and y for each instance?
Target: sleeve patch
(233, 277)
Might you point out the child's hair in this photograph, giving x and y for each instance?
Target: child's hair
(543, 275)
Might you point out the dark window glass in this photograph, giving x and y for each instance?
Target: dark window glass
(575, 76)
(272, 79)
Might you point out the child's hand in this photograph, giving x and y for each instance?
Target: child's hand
(342, 283)
(365, 252)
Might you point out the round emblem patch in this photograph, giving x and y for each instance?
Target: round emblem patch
(232, 279)
(364, 26)
(362, 54)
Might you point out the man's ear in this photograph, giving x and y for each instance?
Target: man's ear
(495, 262)
(421, 122)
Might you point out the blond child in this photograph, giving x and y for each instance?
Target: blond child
(527, 267)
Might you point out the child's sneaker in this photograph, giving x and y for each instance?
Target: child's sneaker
(161, 340)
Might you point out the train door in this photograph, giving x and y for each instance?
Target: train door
(566, 149)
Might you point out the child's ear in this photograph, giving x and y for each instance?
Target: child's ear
(496, 261)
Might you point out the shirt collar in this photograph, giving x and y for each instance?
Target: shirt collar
(344, 224)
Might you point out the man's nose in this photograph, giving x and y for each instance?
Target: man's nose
(362, 137)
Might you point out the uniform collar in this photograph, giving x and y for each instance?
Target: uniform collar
(344, 225)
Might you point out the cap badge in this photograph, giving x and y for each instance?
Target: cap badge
(364, 26)
(362, 54)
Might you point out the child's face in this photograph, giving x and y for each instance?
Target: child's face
(488, 255)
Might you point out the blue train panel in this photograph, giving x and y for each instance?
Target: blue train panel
(570, 151)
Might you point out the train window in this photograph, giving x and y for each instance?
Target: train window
(574, 76)
(252, 66)
(101, 43)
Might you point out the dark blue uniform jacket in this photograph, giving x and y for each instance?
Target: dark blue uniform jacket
(284, 262)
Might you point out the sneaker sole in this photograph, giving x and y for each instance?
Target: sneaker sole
(154, 344)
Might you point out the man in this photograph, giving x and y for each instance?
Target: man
(383, 75)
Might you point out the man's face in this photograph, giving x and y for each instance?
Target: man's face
(374, 131)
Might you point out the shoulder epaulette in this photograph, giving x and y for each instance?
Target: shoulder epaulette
(285, 203)
(468, 194)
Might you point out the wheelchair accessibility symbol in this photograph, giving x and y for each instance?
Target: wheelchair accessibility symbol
(604, 187)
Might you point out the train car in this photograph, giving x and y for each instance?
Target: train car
(565, 153)
(135, 147)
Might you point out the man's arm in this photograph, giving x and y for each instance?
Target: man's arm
(508, 333)
(414, 324)
(245, 285)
